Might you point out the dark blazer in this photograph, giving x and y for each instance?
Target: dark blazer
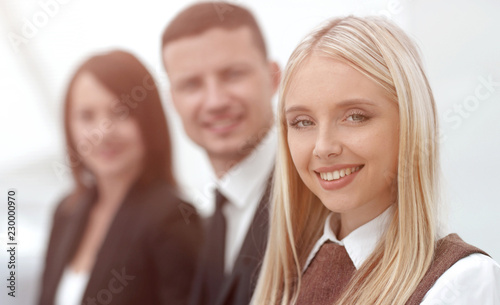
(238, 287)
(148, 255)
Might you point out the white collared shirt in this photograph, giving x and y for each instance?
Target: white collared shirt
(474, 279)
(71, 287)
(243, 186)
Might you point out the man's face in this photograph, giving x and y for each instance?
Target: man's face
(222, 87)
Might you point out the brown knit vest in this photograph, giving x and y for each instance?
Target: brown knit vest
(331, 270)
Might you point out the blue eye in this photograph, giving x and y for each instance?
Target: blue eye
(300, 123)
(356, 117)
(304, 123)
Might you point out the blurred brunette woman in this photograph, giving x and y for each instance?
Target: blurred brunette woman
(122, 236)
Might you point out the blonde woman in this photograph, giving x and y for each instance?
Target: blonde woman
(356, 182)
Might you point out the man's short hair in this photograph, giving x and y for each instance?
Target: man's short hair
(204, 16)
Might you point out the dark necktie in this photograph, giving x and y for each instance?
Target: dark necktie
(327, 276)
(217, 245)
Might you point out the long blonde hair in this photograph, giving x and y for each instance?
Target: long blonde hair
(383, 52)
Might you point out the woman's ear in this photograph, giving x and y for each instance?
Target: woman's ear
(275, 71)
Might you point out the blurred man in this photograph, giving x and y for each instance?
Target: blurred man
(222, 84)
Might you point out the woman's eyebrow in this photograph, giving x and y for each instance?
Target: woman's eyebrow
(295, 108)
(356, 101)
(342, 104)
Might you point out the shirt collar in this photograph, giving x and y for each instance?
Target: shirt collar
(242, 181)
(360, 243)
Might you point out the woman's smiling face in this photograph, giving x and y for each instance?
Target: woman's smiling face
(343, 136)
(109, 146)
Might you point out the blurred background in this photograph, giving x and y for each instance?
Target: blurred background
(43, 41)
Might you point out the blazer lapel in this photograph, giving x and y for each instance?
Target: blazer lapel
(105, 256)
(71, 230)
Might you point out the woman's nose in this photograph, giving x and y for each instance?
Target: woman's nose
(327, 144)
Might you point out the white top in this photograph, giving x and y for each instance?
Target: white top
(243, 186)
(71, 287)
(474, 279)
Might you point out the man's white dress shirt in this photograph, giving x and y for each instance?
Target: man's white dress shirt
(243, 186)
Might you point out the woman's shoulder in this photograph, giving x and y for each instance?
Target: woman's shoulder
(164, 218)
(452, 244)
(472, 278)
(163, 203)
(73, 203)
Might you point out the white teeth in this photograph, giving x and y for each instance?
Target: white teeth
(335, 175)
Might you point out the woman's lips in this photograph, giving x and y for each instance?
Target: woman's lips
(339, 176)
(108, 152)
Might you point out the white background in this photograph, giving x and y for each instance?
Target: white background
(460, 45)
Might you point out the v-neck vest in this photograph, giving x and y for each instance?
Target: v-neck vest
(330, 271)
